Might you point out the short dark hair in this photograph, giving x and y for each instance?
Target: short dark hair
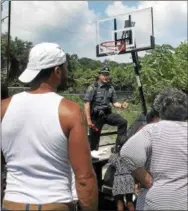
(44, 74)
(172, 104)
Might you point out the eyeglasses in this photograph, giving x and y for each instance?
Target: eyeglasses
(105, 74)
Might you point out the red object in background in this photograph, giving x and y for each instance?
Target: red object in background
(94, 127)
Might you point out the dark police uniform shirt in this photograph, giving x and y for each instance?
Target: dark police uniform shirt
(104, 94)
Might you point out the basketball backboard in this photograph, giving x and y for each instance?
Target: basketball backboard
(125, 33)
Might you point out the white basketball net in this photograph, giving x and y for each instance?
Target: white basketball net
(113, 48)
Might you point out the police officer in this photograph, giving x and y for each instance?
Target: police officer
(98, 110)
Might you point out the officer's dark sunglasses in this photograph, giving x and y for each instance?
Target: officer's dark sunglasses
(105, 74)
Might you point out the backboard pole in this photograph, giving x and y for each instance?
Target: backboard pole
(115, 34)
(130, 32)
(137, 68)
(8, 42)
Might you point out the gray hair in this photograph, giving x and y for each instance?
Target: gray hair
(172, 104)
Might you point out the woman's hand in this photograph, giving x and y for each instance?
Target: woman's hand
(144, 177)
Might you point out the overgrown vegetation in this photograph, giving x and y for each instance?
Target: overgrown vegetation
(162, 67)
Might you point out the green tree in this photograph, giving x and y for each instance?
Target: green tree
(160, 69)
(180, 67)
(19, 51)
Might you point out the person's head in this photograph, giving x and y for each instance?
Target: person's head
(104, 75)
(172, 104)
(47, 64)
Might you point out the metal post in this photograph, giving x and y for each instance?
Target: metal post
(115, 34)
(115, 28)
(8, 41)
(137, 68)
(130, 32)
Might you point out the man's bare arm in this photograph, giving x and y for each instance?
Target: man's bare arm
(4, 106)
(75, 127)
(87, 112)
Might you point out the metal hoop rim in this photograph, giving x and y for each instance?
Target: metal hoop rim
(120, 44)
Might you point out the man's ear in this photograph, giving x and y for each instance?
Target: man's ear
(57, 72)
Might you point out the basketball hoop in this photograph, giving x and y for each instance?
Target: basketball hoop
(114, 47)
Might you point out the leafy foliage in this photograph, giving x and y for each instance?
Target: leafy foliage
(19, 51)
(162, 67)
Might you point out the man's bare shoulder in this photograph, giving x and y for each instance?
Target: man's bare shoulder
(72, 112)
(68, 107)
(71, 115)
(4, 106)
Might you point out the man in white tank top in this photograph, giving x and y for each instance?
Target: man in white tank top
(43, 136)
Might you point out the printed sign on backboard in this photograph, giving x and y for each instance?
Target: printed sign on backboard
(135, 29)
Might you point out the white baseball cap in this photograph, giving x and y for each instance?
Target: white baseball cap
(42, 56)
